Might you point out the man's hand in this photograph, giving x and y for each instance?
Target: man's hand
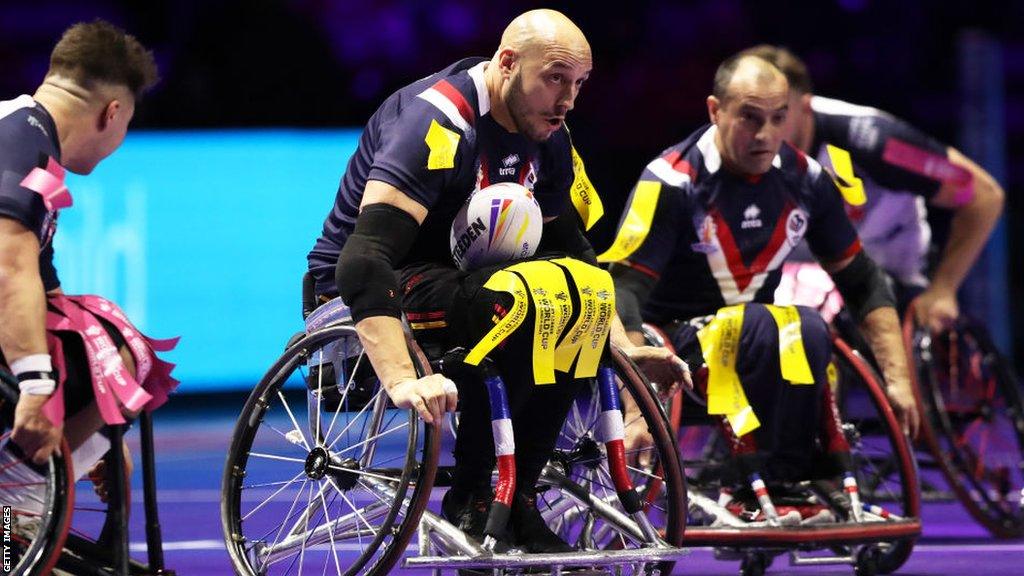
(431, 396)
(936, 309)
(901, 398)
(663, 368)
(33, 431)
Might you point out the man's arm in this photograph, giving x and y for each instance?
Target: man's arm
(23, 333)
(970, 228)
(868, 296)
(382, 335)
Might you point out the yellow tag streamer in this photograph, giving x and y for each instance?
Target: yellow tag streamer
(584, 196)
(502, 281)
(792, 356)
(443, 144)
(588, 335)
(719, 342)
(550, 293)
(849, 185)
(636, 224)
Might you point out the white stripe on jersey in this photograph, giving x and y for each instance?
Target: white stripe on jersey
(663, 170)
(8, 107)
(719, 265)
(706, 145)
(483, 99)
(446, 106)
(840, 108)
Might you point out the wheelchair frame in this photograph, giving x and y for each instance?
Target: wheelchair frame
(112, 556)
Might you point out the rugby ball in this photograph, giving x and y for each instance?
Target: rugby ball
(499, 223)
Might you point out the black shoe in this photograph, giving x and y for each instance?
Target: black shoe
(531, 531)
(470, 516)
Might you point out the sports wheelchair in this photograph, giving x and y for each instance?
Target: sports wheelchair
(74, 531)
(872, 493)
(325, 474)
(972, 428)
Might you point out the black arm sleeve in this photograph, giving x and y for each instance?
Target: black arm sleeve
(632, 288)
(564, 236)
(365, 273)
(864, 286)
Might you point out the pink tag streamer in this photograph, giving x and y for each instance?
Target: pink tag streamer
(111, 379)
(929, 165)
(49, 183)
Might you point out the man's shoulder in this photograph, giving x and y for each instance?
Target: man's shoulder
(450, 96)
(685, 163)
(25, 133)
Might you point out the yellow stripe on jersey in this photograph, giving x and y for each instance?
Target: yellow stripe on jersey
(851, 187)
(636, 224)
(443, 144)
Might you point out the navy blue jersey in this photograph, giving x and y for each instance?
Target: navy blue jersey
(893, 223)
(28, 139)
(718, 239)
(436, 141)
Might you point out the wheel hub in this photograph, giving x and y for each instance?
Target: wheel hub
(316, 463)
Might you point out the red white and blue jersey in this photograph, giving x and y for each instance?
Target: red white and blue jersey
(717, 239)
(28, 139)
(436, 141)
(901, 168)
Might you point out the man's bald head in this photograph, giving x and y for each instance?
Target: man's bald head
(545, 31)
(747, 73)
(537, 72)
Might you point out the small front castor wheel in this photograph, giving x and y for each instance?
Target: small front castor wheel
(867, 561)
(755, 564)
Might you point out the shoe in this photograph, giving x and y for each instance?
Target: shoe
(794, 507)
(529, 529)
(470, 516)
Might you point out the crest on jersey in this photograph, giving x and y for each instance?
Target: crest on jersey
(530, 179)
(706, 237)
(796, 226)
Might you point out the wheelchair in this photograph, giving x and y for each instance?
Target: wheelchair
(975, 425)
(873, 494)
(972, 428)
(72, 530)
(325, 474)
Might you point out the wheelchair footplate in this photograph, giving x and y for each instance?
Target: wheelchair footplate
(443, 546)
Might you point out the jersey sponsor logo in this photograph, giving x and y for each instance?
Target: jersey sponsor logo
(32, 121)
(509, 165)
(863, 132)
(796, 226)
(750, 217)
(472, 232)
(707, 231)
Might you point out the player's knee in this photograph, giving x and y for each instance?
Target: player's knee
(128, 359)
(759, 335)
(816, 337)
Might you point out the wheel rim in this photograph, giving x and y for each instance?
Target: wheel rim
(331, 467)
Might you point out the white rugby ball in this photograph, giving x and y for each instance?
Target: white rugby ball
(499, 223)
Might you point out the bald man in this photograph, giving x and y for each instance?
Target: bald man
(428, 148)
(730, 203)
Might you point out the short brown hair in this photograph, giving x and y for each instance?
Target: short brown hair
(98, 51)
(790, 65)
(726, 70)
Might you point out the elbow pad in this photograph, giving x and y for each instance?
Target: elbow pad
(365, 274)
(864, 286)
(632, 288)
